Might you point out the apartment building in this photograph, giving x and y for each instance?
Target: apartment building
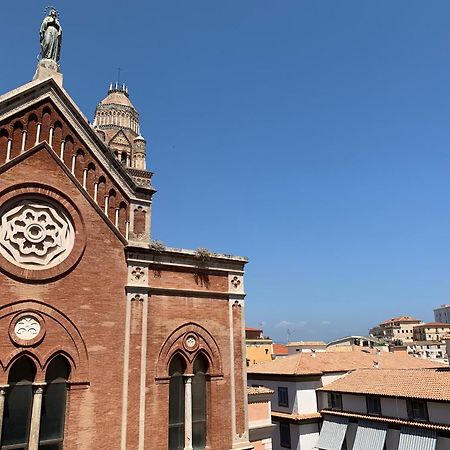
(398, 329)
(295, 379)
(258, 347)
(442, 314)
(390, 409)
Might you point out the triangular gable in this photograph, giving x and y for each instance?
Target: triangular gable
(20, 104)
(53, 162)
(120, 140)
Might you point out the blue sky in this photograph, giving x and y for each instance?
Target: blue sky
(311, 136)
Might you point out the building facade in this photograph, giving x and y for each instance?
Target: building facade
(398, 329)
(108, 339)
(258, 347)
(296, 379)
(442, 314)
(386, 409)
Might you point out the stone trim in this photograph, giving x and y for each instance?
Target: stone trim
(51, 195)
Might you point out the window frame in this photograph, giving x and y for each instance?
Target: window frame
(412, 406)
(376, 400)
(335, 401)
(285, 434)
(283, 391)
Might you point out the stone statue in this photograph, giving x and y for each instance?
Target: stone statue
(51, 36)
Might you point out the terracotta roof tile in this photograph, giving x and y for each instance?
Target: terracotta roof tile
(427, 384)
(296, 417)
(326, 362)
(255, 390)
(305, 343)
(407, 422)
(280, 349)
(434, 324)
(400, 319)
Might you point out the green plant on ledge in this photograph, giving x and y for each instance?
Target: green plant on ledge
(203, 254)
(157, 246)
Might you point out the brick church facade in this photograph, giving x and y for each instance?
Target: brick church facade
(108, 340)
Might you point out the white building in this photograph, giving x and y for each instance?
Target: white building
(442, 314)
(295, 379)
(391, 409)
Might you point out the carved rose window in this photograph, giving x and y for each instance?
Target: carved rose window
(35, 234)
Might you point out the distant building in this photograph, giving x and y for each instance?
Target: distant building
(392, 409)
(260, 417)
(442, 314)
(360, 341)
(295, 379)
(431, 331)
(428, 349)
(306, 347)
(396, 329)
(258, 347)
(279, 351)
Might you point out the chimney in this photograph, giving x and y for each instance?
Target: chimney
(376, 365)
(313, 353)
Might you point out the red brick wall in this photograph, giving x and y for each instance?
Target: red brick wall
(92, 297)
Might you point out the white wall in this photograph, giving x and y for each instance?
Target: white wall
(393, 407)
(330, 377)
(309, 436)
(439, 412)
(322, 400)
(292, 393)
(306, 401)
(443, 443)
(354, 403)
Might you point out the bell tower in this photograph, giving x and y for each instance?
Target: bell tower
(117, 123)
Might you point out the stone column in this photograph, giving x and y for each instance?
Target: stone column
(33, 442)
(188, 413)
(2, 406)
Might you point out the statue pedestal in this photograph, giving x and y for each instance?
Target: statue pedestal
(48, 68)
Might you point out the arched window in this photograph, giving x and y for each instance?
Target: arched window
(199, 402)
(51, 433)
(187, 404)
(18, 404)
(176, 403)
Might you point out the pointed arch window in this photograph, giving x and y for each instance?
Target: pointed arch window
(199, 402)
(176, 403)
(51, 433)
(18, 405)
(34, 413)
(188, 404)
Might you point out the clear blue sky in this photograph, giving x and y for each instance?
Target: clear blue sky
(312, 136)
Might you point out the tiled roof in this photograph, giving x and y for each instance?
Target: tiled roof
(433, 325)
(393, 420)
(413, 383)
(326, 362)
(252, 329)
(280, 349)
(400, 319)
(296, 417)
(305, 343)
(255, 390)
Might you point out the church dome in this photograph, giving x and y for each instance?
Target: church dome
(117, 95)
